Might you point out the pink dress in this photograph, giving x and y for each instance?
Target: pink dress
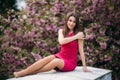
(69, 54)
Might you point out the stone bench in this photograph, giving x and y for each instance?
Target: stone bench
(77, 74)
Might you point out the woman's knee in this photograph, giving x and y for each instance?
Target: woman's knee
(59, 63)
(50, 57)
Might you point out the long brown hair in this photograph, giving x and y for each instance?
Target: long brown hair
(77, 27)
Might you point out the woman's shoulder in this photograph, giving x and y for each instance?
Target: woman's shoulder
(83, 33)
(60, 30)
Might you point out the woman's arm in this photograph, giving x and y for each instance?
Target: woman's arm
(81, 51)
(82, 55)
(63, 40)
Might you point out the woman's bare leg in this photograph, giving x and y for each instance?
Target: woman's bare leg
(59, 63)
(35, 66)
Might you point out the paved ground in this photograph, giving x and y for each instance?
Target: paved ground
(78, 74)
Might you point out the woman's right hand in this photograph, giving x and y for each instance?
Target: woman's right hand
(79, 35)
(86, 70)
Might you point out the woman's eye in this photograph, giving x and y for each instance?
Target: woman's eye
(74, 21)
(70, 20)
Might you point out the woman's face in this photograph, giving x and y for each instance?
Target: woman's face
(71, 22)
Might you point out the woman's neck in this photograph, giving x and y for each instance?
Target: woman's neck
(71, 32)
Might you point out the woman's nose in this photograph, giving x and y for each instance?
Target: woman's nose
(71, 23)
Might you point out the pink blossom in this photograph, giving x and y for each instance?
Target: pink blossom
(108, 23)
(15, 48)
(90, 37)
(36, 56)
(103, 45)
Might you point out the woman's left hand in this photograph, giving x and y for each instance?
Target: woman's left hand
(85, 69)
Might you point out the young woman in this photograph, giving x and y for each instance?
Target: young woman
(71, 39)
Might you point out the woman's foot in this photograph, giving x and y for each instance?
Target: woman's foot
(15, 74)
(20, 73)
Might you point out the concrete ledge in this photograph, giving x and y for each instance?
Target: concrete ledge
(78, 74)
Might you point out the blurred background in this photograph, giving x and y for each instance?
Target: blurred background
(28, 32)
